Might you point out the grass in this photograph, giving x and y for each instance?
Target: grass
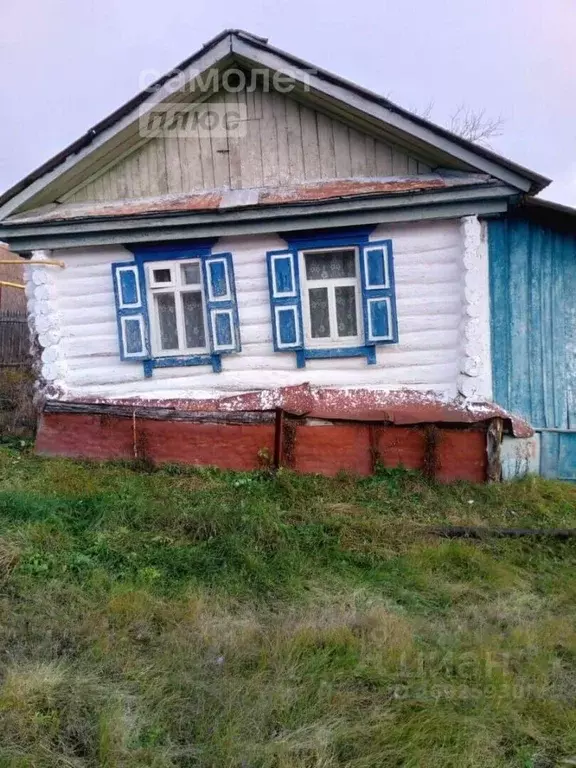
(188, 617)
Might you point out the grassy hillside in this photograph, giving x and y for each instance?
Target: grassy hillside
(199, 618)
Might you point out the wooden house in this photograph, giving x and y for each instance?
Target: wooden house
(254, 261)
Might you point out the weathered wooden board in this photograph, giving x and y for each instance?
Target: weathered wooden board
(533, 297)
(282, 142)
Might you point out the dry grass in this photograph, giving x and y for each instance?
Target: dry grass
(196, 618)
(17, 411)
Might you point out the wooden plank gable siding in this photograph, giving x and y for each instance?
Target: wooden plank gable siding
(285, 142)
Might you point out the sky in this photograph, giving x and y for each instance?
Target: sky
(66, 64)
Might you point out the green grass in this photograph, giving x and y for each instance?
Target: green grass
(188, 617)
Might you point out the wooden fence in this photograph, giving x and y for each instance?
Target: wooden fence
(14, 340)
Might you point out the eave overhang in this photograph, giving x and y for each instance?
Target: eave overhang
(24, 236)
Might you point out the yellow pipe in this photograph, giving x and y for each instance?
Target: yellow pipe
(36, 263)
(12, 285)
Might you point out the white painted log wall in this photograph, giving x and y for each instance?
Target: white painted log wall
(78, 302)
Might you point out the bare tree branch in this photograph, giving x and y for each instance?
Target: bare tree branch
(425, 112)
(473, 125)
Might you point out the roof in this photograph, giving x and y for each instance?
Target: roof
(316, 192)
(539, 203)
(235, 44)
(545, 213)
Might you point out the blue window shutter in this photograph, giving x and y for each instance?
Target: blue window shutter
(285, 303)
(221, 304)
(378, 293)
(130, 312)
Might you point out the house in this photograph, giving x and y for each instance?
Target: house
(255, 261)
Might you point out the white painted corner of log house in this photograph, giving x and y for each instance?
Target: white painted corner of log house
(475, 380)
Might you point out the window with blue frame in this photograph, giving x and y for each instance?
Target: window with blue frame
(176, 305)
(332, 295)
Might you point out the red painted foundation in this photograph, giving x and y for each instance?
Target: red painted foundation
(449, 452)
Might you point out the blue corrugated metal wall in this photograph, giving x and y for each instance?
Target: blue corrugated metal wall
(533, 300)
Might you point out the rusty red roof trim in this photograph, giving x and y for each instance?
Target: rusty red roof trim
(337, 188)
(402, 407)
(205, 202)
(316, 192)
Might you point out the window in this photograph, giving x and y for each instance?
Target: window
(332, 297)
(176, 307)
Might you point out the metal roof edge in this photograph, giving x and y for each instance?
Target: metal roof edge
(277, 219)
(365, 202)
(354, 189)
(545, 212)
(550, 205)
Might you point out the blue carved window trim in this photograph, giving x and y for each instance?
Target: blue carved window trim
(379, 313)
(221, 308)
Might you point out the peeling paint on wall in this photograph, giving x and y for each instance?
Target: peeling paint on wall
(475, 379)
(520, 457)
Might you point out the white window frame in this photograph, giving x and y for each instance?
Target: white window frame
(178, 287)
(333, 341)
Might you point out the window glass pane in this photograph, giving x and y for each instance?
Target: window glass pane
(193, 319)
(166, 309)
(162, 275)
(191, 274)
(346, 310)
(319, 317)
(323, 265)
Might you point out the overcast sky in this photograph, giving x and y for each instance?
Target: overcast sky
(66, 64)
